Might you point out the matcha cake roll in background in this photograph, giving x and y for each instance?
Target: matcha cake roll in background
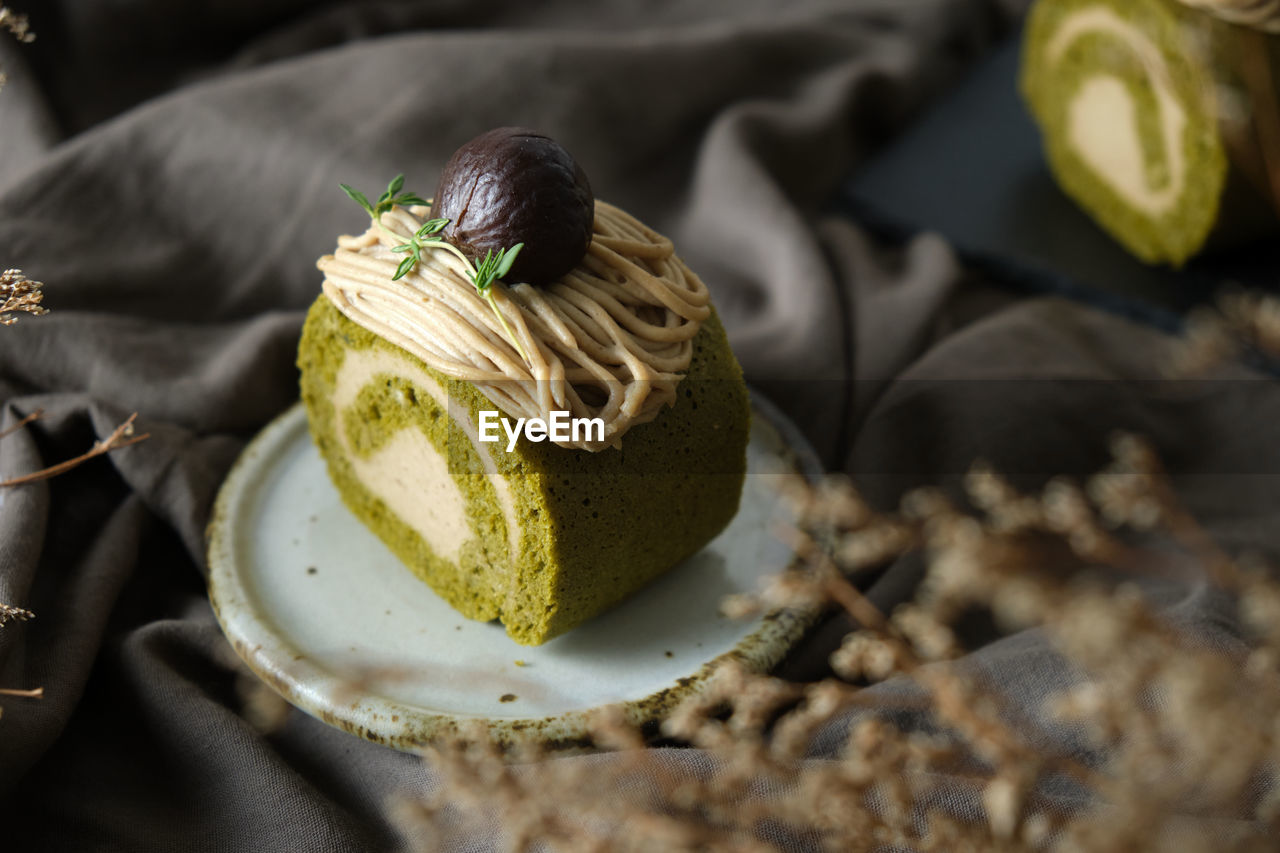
(1160, 117)
(417, 350)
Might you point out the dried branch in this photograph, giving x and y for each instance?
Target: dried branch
(121, 436)
(34, 416)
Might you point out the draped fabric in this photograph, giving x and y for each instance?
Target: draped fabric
(170, 171)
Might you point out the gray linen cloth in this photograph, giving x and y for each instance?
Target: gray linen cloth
(170, 170)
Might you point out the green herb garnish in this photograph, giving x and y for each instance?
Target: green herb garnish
(387, 200)
(492, 268)
(419, 241)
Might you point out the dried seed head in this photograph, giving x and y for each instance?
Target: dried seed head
(1003, 801)
(1179, 726)
(864, 655)
(1207, 342)
(740, 606)
(16, 24)
(1255, 317)
(19, 294)
(9, 613)
(932, 639)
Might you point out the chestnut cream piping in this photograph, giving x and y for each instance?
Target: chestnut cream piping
(609, 340)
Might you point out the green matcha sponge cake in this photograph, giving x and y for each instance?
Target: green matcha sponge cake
(1153, 121)
(405, 367)
(554, 535)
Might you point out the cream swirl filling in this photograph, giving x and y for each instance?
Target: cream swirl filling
(609, 340)
(1102, 118)
(408, 473)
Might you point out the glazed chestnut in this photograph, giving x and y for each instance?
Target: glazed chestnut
(514, 185)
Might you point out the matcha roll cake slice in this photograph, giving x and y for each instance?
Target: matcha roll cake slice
(1158, 118)
(534, 453)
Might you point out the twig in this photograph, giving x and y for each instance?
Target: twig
(122, 436)
(34, 416)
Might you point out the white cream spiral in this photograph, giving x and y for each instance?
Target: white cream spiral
(608, 340)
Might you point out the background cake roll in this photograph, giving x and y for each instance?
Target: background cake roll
(542, 537)
(1161, 120)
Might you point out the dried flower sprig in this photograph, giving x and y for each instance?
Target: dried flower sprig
(16, 24)
(19, 294)
(491, 269)
(1175, 727)
(19, 27)
(262, 707)
(1241, 321)
(9, 613)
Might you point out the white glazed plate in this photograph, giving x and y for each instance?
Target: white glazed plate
(319, 608)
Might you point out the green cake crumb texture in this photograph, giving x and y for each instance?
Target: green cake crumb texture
(594, 527)
(1171, 236)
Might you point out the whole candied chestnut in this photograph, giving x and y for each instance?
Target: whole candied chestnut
(514, 185)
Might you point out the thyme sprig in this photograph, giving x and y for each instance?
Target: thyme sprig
(419, 241)
(428, 236)
(492, 268)
(389, 199)
(393, 196)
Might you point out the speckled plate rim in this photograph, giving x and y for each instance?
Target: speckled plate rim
(406, 727)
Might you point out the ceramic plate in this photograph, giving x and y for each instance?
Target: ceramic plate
(326, 615)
